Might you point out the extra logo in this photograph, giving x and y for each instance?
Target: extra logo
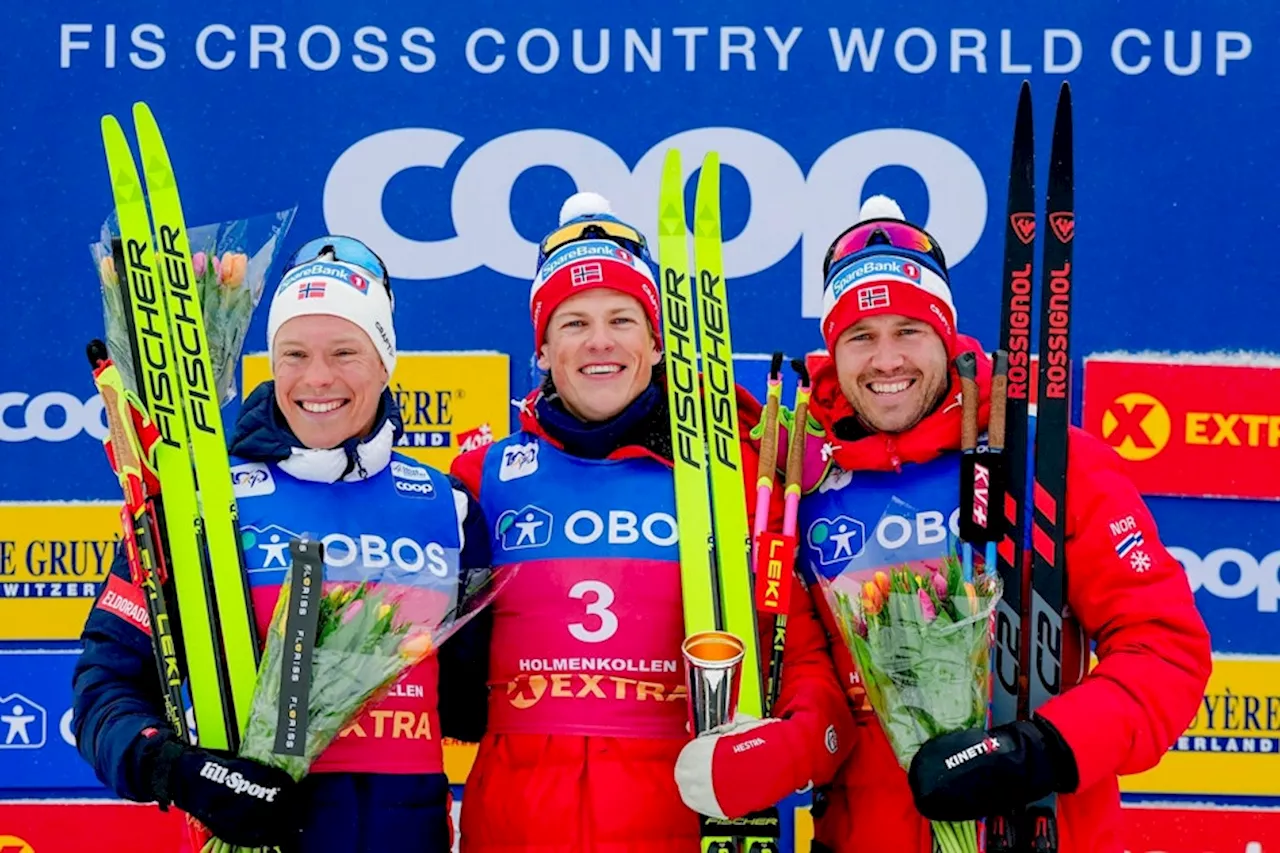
(14, 844)
(252, 479)
(518, 460)
(23, 723)
(412, 480)
(527, 527)
(1137, 425)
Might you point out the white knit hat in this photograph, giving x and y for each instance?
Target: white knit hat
(339, 290)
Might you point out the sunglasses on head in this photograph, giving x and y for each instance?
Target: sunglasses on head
(347, 250)
(605, 229)
(882, 232)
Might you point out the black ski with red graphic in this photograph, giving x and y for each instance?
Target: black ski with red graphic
(1028, 653)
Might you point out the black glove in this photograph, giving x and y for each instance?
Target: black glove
(240, 801)
(973, 774)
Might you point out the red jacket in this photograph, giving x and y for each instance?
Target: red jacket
(618, 795)
(1152, 647)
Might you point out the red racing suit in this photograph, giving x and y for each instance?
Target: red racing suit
(535, 791)
(1152, 647)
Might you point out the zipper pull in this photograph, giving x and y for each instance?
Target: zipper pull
(892, 447)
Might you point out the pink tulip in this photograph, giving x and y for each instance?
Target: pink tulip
(352, 610)
(926, 606)
(199, 262)
(940, 585)
(217, 267)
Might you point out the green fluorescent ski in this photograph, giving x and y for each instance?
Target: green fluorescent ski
(204, 417)
(688, 439)
(728, 489)
(158, 388)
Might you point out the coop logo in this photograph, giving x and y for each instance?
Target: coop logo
(1246, 578)
(50, 416)
(267, 549)
(1137, 425)
(485, 234)
(412, 480)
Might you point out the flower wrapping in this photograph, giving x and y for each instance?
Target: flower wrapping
(919, 633)
(369, 625)
(230, 261)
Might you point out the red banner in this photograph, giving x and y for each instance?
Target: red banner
(103, 827)
(1211, 830)
(1189, 430)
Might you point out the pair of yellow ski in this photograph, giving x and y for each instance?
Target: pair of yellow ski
(176, 388)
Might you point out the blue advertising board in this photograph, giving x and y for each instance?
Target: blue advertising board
(447, 137)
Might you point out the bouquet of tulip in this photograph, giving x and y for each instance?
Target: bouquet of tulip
(230, 261)
(361, 635)
(919, 632)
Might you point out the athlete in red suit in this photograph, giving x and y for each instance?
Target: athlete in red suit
(885, 398)
(599, 776)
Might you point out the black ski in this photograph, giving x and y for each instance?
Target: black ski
(1028, 643)
(1053, 418)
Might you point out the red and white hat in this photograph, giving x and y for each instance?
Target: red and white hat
(884, 265)
(587, 263)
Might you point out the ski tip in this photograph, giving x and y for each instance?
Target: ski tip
(1024, 92)
(775, 365)
(671, 160)
(798, 365)
(711, 160)
(97, 352)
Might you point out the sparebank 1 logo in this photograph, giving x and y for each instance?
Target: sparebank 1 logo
(786, 205)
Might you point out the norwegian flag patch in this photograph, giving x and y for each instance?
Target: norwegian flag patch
(311, 290)
(873, 297)
(587, 274)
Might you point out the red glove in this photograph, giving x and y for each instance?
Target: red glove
(747, 765)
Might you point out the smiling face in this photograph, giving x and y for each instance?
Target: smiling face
(600, 352)
(328, 377)
(892, 369)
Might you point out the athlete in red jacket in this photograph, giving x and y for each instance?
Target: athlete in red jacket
(886, 400)
(582, 759)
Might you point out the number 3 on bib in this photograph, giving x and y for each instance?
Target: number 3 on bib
(598, 608)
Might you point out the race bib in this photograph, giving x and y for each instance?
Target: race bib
(589, 647)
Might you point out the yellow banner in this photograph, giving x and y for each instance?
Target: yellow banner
(449, 402)
(1233, 745)
(53, 559)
